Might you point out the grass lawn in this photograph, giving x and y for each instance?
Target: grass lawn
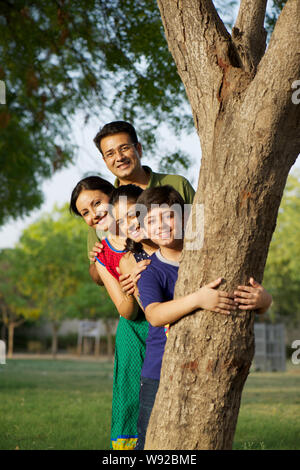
(66, 404)
(270, 411)
(55, 404)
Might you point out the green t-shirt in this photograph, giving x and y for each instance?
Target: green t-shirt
(180, 183)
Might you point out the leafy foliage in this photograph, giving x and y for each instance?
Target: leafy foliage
(62, 56)
(15, 304)
(282, 276)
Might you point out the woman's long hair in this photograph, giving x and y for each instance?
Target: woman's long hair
(91, 183)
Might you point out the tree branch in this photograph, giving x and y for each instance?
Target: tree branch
(19, 323)
(269, 97)
(203, 51)
(194, 28)
(249, 34)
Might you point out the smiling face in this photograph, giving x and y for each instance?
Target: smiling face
(121, 155)
(92, 205)
(164, 227)
(125, 216)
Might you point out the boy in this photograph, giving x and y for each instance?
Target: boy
(164, 227)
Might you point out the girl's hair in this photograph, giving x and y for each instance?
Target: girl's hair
(91, 183)
(132, 192)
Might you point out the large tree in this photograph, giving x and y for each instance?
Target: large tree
(248, 124)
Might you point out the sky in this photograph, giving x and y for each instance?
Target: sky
(57, 190)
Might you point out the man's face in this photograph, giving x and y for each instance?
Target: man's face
(121, 156)
(164, 227)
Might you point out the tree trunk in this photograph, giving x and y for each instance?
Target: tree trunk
(55, 328)
(11, 330)
(108, 328)
(3, 332)
(249, 132)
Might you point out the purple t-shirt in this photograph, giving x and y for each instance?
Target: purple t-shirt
(156, 284)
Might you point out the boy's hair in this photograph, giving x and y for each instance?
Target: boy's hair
(115, 127)
(91, 183)
(160, 195)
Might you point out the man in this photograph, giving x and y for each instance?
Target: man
(122, 152)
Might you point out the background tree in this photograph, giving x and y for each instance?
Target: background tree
(92, 302)
(241, 98)
(62, 56)
(282, 276)
(15, 306)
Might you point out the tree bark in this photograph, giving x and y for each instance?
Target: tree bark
(55, 328)
(10, 350)
(11, 331)
(249, 132)
(249, 34)
(108, 327)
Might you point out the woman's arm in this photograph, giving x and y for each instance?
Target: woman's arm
(125, 304)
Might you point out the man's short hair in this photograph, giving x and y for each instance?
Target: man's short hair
(115, 127)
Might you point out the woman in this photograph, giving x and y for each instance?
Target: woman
(90, 199)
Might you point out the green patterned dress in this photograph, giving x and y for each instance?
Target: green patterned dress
(129, 357)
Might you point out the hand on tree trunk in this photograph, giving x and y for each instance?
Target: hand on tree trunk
(253, 297)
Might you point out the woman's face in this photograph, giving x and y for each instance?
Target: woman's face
(125, 216)
(92, 205)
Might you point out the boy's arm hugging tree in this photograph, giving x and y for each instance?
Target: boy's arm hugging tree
(207, 297)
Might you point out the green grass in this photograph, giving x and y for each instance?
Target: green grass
(65, 404)
(46, 404)
(270, 412)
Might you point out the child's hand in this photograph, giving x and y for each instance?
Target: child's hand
(253, 297)
(97, 248)
(140, 266)
(216, 300)
(127, 284)
(128, 281)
